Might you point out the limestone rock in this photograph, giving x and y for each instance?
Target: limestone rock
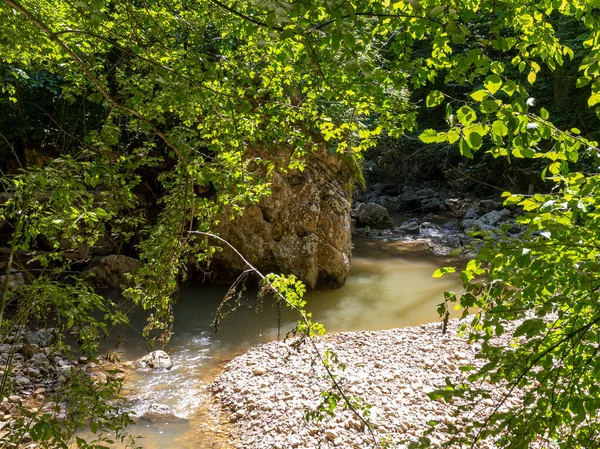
(156, 359)
(302, 228)
(160, 413)
(111, 270)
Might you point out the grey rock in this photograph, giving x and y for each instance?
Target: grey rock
(374, 216)
(156, 360)
(41, 337)
(458, 207)
(22, 380)
(486, 206)
(14, 280)
(410, 226)
(470, 213)
(160, 413)
(430, 230)
(470, 224)
(494, 217)
(425, 193)
(32, 371)
(431, 204)
(391, 203)
(408, 201)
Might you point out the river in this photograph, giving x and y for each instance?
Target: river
(390, 285)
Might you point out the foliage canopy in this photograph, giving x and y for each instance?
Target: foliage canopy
(196, 88)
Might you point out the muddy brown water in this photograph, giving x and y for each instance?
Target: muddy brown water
(390, 285)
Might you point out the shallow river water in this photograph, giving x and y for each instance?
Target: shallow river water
(390, 285)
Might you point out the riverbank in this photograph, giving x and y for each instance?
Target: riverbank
(268, 390)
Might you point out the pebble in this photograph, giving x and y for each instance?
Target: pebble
(392, 371)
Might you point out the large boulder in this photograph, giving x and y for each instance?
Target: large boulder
(111, 271)
(373, 215)
(302, 228)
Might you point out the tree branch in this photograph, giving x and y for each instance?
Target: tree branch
(245, 17)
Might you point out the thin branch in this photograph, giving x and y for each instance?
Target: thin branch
(473, 179)
(330, 374)
(245, 17)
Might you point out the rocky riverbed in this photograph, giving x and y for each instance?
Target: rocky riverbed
(458, 229)
(36, 371)
(269, 389)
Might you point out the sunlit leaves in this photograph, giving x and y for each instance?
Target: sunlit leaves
(466, 115)
(434, 98)
(493, 83)
(443, 271)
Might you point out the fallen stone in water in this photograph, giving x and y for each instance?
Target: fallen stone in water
(374, 216)
(156, 360)
(161, 413)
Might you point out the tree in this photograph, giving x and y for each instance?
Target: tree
(201, 84)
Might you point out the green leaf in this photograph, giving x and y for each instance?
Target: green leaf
(287, 33)
(530, 327)
(474, 138)
(493, 83)
(499, 128)
(443, 271)
(437, 11)
(583, 81)
(429, 136)
(465, 149)
(435, 98)
(453, 135)
(593, 100)
(466, 115)
(479, 95)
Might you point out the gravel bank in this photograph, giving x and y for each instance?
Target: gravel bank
(268, 389)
